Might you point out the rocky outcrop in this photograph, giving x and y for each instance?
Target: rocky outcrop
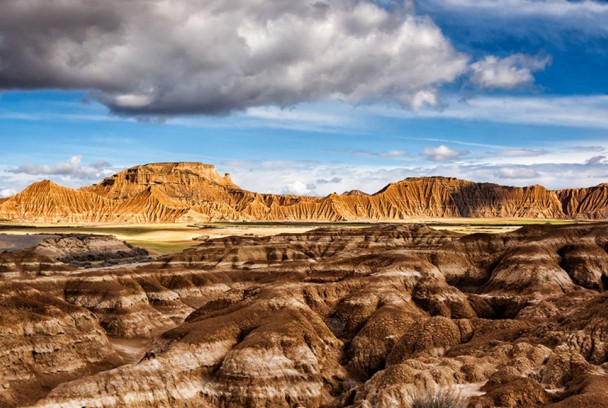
(63, 253)
(585, 203)
(28, 262)
(195, 192)
(48, 202)
(335, 317)
(184, 182)
(88, 250)
(45, 341)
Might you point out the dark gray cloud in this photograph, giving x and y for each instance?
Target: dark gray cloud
(153, 57)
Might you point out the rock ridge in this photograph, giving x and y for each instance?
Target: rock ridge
(196, 192)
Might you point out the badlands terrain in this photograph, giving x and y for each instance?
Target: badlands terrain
(166, 285)
(195, 192)
(380, 316)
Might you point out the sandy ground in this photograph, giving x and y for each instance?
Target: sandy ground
(466, 391)
(169, 238)
(132, 350)
(157, 238)
(474, 229)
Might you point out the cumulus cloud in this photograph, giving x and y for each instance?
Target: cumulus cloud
(158, 57)
(299, 188)
(506, 73)
(443, 153)
(519, 173)
(72, 167)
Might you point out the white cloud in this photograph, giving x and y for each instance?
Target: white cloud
(506, 73)
(7, 192)
(306, 177)
(443, 153)
(575, 111)
(299, 188)
(292, 176)
(518, 173)
(72, 168)
(532, 17)
(519, 152)
(535, 8)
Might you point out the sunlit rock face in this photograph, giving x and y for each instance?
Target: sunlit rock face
(335, 317)
(195, 192)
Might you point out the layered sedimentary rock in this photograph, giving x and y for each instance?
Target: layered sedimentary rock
(195, 192)
(66, 252)
(86, 250)
(184, 182)
(334, 317)
(585, 202)
(48, 202)
(46, 341)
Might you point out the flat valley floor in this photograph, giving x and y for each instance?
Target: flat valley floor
(161, 239)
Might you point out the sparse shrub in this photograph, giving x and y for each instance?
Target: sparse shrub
(438, 398)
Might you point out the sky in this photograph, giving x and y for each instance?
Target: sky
(306, 97)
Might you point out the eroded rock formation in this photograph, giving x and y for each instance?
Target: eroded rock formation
(195, 192)
(66, 252)
(335, 317)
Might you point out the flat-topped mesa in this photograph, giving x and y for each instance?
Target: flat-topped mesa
(182, 181)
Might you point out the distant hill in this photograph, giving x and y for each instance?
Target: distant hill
(196, 192)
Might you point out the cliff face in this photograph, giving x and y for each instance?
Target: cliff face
(585, 202)
(189, 183)
(191, 192)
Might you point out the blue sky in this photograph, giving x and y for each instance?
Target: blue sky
(513, 92)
